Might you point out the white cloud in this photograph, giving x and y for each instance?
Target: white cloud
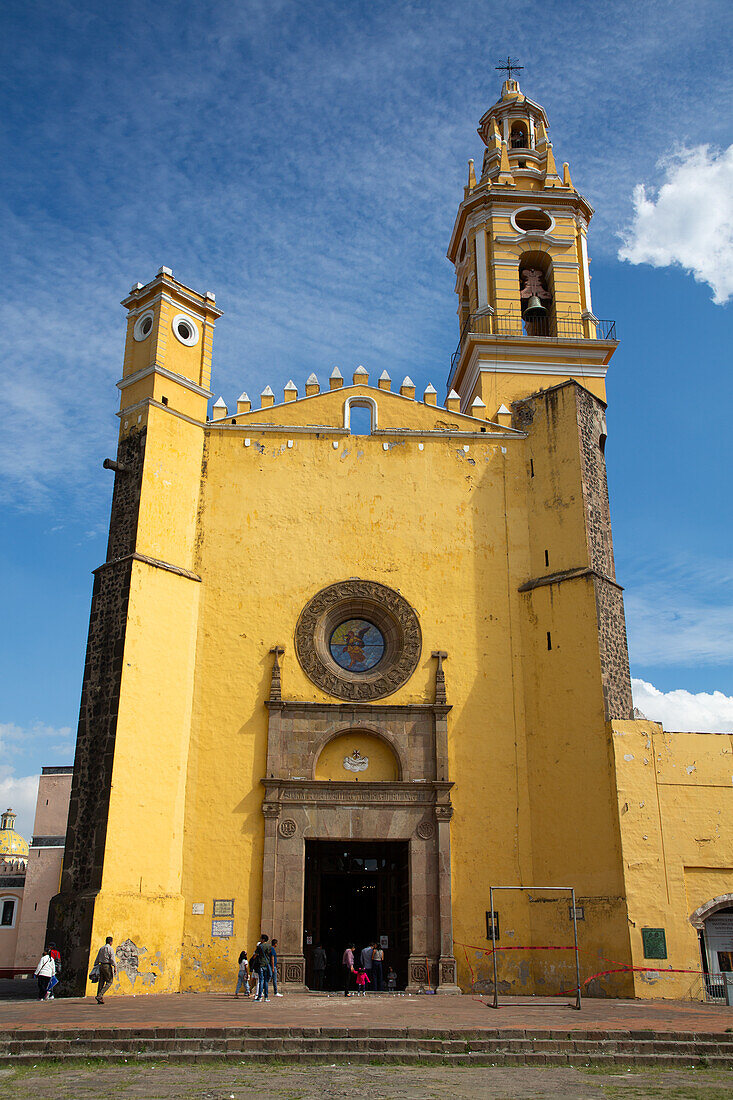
(689, 220)
(19, 793)
(679, 609)
(14, 739)
(684, 711)
(670, 627)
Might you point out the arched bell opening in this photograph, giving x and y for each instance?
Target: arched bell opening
(519, 135)
(536, 296)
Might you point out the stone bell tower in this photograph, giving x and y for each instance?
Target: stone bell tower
(522, 277)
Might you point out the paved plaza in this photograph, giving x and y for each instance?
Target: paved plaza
(393, 1013)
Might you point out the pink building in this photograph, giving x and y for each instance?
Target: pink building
(45, 860)
(13, 861)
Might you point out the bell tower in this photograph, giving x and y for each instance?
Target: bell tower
(522, 268)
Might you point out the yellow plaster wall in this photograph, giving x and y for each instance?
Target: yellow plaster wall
(675, 797)
(140, 897)
(169, 496)
(278, 524)
(382, 767)
(496, 388)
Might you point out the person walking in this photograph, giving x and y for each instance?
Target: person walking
(377, 968)
(347, 964)
(243, 975)
(319, 966)
(274, 969)
(107, 964)
(262, 962)
(366, 960)
(45, 970)
(56, 956)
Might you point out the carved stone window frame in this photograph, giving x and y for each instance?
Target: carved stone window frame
(358, 599)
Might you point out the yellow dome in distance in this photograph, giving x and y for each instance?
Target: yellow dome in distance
(12, 844)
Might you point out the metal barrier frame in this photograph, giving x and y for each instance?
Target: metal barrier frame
(539, 889)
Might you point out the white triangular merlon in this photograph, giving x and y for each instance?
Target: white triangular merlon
(220, 404)
(311, 380)
(477, 403)
(384, 377)
(243, 396)
(267, 392)
(407, 381)
(361, 370)
(453, 396)
(336, 373)
(503, 411)
(291, 386)
(430, 388)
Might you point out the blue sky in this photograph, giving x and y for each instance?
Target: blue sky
(304, 162)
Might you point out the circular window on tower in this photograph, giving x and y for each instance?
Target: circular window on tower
(185, 330)
(357, 645)
(530, 219)
(358, 640)
(144, 325)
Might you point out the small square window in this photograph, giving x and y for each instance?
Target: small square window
(655, 943)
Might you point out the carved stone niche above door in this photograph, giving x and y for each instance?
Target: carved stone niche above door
(405, 749)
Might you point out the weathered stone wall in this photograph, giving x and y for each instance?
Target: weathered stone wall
(591, 436)
(72, 910)
(609, 600)
(614, 651)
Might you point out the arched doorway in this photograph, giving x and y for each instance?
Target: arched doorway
(714, 922)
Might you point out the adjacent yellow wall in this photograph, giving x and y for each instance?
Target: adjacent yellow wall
(675, 799)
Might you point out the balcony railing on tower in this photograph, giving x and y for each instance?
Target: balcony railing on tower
(507, 320)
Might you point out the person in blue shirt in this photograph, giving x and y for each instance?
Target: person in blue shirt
(274, 969)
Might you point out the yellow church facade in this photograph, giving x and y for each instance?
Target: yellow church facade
(339, 685)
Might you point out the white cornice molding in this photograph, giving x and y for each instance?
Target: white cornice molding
(493, 431)
(477, 366)
(533, 235)
(155, 368)
(206, 315)
(504, 353)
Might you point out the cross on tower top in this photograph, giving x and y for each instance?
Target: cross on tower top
(510, 67)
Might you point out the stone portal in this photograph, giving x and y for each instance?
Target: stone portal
(407, 805)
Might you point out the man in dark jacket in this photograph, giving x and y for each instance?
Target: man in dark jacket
(261, 963)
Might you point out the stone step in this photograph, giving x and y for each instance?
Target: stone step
(501, 1050)
(490, 1035)
(397, 1057)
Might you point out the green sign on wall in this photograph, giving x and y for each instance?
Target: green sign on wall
(655, 943)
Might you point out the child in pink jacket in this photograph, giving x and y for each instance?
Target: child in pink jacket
(361, 981)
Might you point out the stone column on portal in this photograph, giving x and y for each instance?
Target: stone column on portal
(289, 893)
(447, 963)
(271, 813)
(422, 951)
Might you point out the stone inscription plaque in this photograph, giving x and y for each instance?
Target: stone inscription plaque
(223, 907)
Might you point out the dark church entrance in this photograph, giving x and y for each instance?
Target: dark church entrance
(356, 892)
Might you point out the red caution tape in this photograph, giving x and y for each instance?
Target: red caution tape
(516, 947)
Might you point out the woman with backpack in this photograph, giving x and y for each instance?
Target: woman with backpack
(45, 970)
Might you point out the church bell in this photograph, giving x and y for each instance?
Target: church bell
(535, 311)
